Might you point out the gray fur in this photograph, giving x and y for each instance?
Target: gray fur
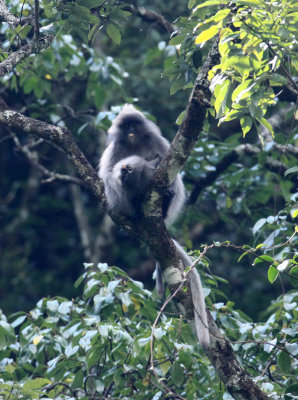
(127, 167)
(128, 184)
(201, 321)
(147, 142)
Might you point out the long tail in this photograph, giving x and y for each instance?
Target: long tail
(201, 321)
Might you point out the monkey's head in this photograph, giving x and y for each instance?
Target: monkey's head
(128, 171)
(134, 172)
(132, 129)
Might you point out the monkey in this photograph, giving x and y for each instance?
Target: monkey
(128, 184)
(135, 148)
(132, 133)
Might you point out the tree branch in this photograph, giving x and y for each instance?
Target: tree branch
(273, 165)
(152, 17)
(32, 157)
(60, 136)
(6, 16)
(15, 58)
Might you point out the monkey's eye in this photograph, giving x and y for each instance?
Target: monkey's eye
(129, 169)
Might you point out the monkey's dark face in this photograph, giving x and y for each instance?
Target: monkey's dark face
(126, 174)
(130, 131)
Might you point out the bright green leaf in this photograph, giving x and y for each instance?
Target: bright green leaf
(180, 118)
(207, 34)
(209, 3)
(272, 274)
(262, 258)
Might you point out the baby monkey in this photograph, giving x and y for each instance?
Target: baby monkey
(130, 180)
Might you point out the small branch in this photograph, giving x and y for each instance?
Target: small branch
(15, 58)
(33, 159)
(272, 164)
(152, 17)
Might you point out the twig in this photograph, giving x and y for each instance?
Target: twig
(33, 159)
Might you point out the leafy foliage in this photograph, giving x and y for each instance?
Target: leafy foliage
(99, 345)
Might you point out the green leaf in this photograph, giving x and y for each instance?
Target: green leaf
(24, 31)
(177, 85)
(221, 14)
(207, 34)
(35, 384)
(79, 280)
(209, 3)
(291, 170)
(246, 124)
(191, 3)
(292, 389)
(242, 255)
(262, 258)
(278, 80)
(243, 90)
(180, 118)
(294, 276)
(177, 40)
(114, 33)
(272, 274)
(284, 362)
(177, 374)
(30, 84)
(265, 123)
(90, 3)
(221, 93)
